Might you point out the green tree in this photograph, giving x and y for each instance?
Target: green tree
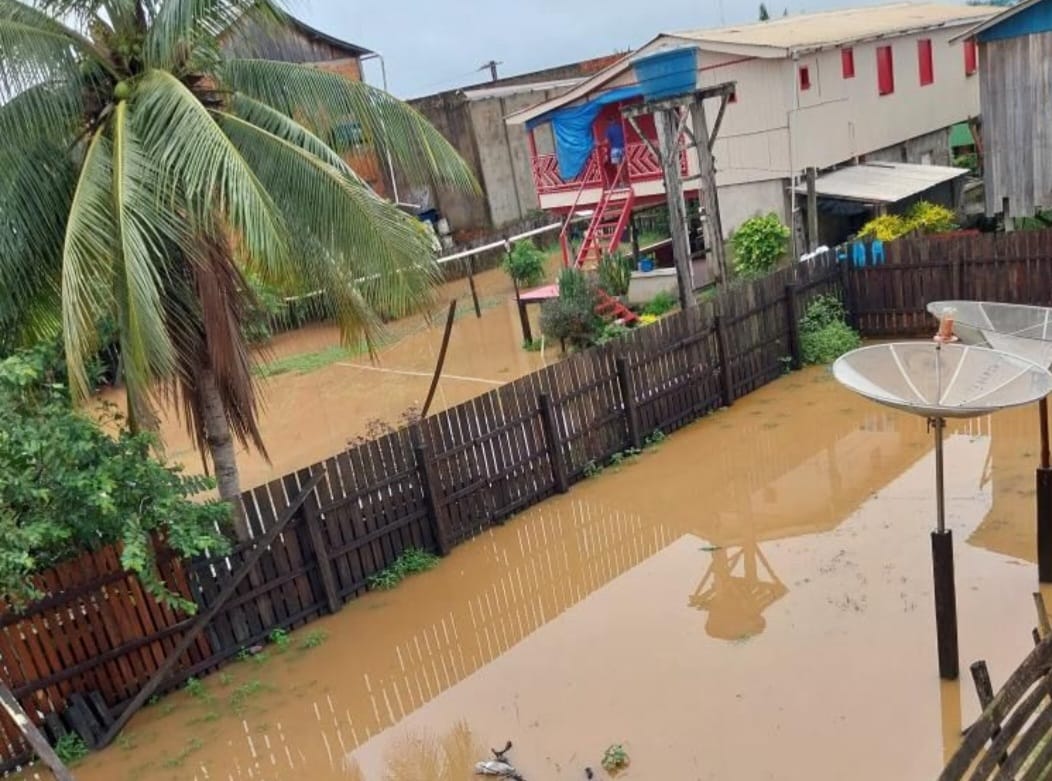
(146, 173)
(764, 16)
(759, 243)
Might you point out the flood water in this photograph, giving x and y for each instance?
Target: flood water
(750, 600)
(308, 414)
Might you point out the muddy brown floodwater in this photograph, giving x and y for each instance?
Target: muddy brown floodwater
(750, 600)
(310, 412)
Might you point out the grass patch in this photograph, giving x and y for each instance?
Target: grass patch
(313, 639)
(410, 562)
(192, 745)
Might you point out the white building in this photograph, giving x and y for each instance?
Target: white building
(818, 90)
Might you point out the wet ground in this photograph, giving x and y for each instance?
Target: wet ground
(750, 600)
(324, 397)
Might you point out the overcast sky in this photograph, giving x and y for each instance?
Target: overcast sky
(439, 45)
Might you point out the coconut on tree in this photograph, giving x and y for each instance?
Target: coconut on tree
(145, 174)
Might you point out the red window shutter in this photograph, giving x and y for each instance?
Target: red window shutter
(847, 63)
(805, 77)
(971, 57)
(885, 71)
(925, 63)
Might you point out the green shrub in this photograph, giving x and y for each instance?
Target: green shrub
(571, 317)
(759, 243)
(660, 304)
(609, 332)
(922, 217)
(824, 334)
(69, 487)
(71, 748)
(886, 227)
(615, 272)
(525, 264)
(409, 562)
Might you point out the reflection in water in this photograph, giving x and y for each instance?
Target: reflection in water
(566, 629)
(735, 601)
(950, 701)
(420, 756)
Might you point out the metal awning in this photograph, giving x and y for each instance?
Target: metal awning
(882, 182)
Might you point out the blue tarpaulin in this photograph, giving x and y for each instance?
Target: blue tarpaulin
(572, 129)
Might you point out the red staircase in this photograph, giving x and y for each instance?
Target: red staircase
(606, 228)
(611, 307)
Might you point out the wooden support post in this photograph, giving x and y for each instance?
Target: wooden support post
(847, 282)
(436, 511)
(958, 279)
(635, 238)
(792, 317)
(628, 398)
(1042, 614)
(983, 688)
(710, 198)
(450, 317)
(551, 436)
(312, 517)
(945, 603)
(810, 175)
(667, 121)
(203, 619)
(33, 735)
(471, 284)
(726, 382)
(1044, 500)
(524, 316)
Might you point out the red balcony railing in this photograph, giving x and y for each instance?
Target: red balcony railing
(640, 164)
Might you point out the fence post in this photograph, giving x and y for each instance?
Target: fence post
(551, 436)
(956, 276)
(725, 361)
(846, 282)
(793, 321)
(628, 396)
(435, 510)
(312, 516)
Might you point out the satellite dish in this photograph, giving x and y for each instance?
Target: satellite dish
(1022, 330)
(942, 381)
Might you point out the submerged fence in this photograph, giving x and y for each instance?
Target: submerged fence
(76, 657)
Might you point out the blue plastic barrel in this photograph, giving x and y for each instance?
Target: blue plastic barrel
(646, 264)
(668, 73)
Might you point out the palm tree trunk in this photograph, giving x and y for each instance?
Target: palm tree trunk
(221, 448)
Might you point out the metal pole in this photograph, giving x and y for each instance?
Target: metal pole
(942, 570)
(1044, 502)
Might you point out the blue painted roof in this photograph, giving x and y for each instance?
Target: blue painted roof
(1028, 18)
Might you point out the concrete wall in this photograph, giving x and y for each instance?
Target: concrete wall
(928, 149)
(739, 202)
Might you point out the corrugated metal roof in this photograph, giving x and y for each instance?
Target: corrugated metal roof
(503, 91)
(882, 182)
(831, 28)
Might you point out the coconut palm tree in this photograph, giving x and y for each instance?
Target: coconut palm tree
(145, 174)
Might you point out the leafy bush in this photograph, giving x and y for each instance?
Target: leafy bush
(928, 217)
(922, 217)
(525, 264)
(71, 748)
(571, 317)
(759, 243)
(660, 304)
(615, 272)
(609, 332)
(69, 487)
(824, 334)
(410, 562)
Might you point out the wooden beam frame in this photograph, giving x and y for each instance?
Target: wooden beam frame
(205, 618)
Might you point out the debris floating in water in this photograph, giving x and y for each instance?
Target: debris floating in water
(499, 765)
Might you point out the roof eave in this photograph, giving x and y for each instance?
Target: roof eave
(995, 20)
(352, 49)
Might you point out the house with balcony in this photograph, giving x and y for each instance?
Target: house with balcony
(880, 85)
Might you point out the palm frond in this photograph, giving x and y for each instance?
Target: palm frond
(35, 47)
(216, 182)
(88, 267)
(325, 102)
(368, 250)
(144, 235)
(181, 26)
(52, 111)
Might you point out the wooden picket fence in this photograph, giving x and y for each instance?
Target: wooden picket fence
(889, 299)
(76, 657)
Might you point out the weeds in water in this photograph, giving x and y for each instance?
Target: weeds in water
(168, 708)
(244, 692)
(615, 758)
(225, 679)
(281, 639)
(192, 745)
(591, 469)
(260, 657)
(207, 718)
(71, 748)
(533, 345)
(126, 741)
(313, 639)
(195, 687)
(657, 436)
(244, 655)
(410, 562)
